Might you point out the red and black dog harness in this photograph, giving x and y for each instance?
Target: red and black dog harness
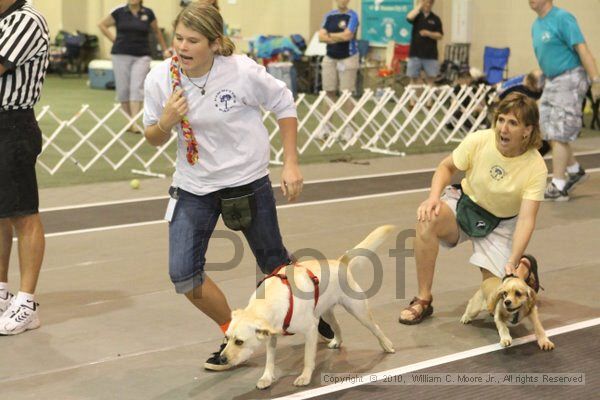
(285, 281)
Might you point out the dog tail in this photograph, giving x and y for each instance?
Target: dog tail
(370, 243)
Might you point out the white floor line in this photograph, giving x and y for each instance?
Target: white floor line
(308, 203)
(346, 178)
(103, 228)
(307, 394)
(335, 387)
(97, 362)
(110, 203)
(104, 203)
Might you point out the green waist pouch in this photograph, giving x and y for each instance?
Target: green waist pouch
(473, 219)
(238, 207)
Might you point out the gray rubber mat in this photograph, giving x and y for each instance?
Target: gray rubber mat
(577, 353)
(153, 210)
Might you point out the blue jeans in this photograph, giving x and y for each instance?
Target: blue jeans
(193, 223)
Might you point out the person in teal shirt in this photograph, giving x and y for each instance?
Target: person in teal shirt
(568, 65)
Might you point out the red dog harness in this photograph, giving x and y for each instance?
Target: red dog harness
(285, 281)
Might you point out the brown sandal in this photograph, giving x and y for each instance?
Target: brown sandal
(533, 279)
(427, 310)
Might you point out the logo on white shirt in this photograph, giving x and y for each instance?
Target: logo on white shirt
(225, 100)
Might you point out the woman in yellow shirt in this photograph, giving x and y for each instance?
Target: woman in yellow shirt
(497, 202)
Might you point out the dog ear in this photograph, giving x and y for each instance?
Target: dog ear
(531, 298)
(493, 300)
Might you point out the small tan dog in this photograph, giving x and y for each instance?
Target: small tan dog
(262, 320)
(509, 301)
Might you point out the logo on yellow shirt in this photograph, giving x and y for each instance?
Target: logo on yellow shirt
(497, 172)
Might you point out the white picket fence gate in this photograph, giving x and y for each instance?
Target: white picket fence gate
(379, 121)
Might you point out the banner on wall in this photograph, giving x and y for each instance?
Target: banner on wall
(385, 20)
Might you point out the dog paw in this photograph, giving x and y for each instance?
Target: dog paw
(505, 342)
(264, 382)
(465, 319)
(334, 343)
(545, 344)
(302, 380)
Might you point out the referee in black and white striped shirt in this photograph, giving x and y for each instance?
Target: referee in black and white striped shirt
(24, 46)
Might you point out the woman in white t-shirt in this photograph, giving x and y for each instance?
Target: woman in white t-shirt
(212, 100)
(495, 206)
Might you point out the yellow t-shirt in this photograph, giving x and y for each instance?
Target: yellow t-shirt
(495, 182)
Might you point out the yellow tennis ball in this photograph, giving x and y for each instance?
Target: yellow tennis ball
(135, 183)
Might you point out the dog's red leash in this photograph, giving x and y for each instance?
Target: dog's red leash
(285, 281)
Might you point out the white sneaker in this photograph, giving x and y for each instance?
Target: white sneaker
(5, 302)
(20, 318)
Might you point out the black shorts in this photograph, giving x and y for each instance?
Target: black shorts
(20, 144)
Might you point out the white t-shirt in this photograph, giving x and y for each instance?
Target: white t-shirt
(233, 143)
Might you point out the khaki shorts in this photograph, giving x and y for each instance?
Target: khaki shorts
(341, 71)
(491, 252)
(130, 73)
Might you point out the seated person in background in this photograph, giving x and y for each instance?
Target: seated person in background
(531, 85)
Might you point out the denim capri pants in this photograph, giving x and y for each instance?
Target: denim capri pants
(193, 222)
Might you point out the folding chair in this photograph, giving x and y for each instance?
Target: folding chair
(456, 57)
(495, 64)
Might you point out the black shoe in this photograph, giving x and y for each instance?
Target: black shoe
(325, 330)
(216, 362)
(575, 179)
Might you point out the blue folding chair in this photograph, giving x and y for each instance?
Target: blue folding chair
(495, 64)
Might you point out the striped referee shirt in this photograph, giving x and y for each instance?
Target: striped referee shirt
(24, 43)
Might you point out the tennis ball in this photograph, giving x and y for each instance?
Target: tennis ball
(135, 183)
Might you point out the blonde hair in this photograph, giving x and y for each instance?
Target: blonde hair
(205, 19)
(526, 111)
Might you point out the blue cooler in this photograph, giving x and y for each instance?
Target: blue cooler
(101, 74)
(286, 72)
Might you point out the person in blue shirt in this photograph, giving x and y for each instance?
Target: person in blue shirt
(340, 65)
(131, 53)
(568, 66)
